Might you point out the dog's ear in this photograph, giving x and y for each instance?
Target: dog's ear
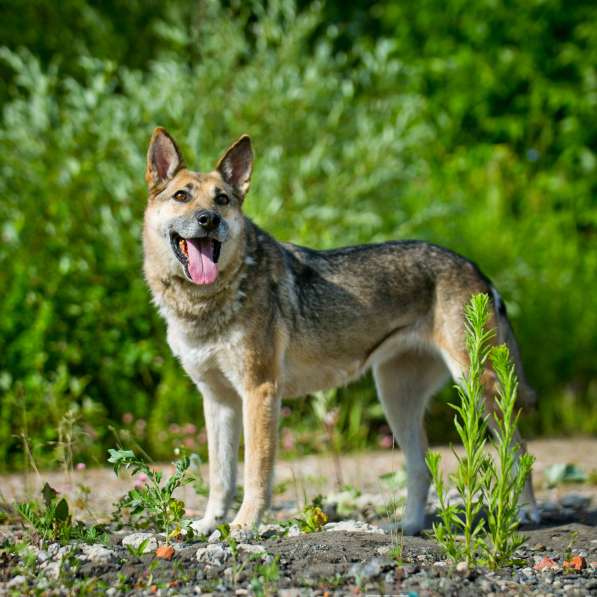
(236, 165)
(163, 158)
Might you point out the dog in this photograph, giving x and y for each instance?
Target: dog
(253, 320)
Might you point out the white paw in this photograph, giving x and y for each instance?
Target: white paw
(529, 514)
(205, 526)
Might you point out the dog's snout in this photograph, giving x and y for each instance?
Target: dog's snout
(209, 220)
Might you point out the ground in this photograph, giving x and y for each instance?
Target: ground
(369, 557)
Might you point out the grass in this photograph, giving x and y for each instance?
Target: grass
(482, 484)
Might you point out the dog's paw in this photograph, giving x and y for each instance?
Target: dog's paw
(529, 514)
(411, 528)
(205, 526)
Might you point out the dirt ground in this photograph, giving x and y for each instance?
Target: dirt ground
(324, 563)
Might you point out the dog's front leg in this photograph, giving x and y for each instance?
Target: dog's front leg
(223, 412)
(261, 406)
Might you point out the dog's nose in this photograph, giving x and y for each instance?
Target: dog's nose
(208, 219)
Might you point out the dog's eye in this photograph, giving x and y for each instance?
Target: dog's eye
(181, 195)
(222, 199)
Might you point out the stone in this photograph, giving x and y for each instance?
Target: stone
(242, 535)
(136, 539)
(215, 537)
(96, 554)
(251, 549)
(270, 530)
(17, 581)
(164, 552)
(546, 564)
(366, 570)
(462, 568)
(213, 554)
(353, 526)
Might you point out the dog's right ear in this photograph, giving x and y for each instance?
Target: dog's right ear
(163, 158)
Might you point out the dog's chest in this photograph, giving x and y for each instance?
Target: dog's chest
(199, 354)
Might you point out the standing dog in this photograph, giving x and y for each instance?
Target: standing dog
(253, 321)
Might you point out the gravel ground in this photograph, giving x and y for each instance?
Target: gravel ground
(357, 553)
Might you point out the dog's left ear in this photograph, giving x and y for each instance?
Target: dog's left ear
(236, 165)
(163, 158)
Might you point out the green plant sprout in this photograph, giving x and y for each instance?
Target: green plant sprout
(154, 499)
(482, 484)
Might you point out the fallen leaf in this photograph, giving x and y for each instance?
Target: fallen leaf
(165, 552)
(546, 564)
(576, 563)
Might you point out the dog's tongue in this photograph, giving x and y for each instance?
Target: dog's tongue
(202, 268)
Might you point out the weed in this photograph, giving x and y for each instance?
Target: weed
(153, 498)
(479, 482)
(139, 550)
(266, 577)
(312, 518)
(53, 521)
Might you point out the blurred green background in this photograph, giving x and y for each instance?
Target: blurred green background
(469, 124)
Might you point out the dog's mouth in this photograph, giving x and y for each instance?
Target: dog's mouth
(198, 256)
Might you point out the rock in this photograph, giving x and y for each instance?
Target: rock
(17, 581)
(289, 593)
(213, 554)
(111, 591)
(164, 552)
(136, 539)
(52, 570)
(528, 572)
(462, 568)
(546, 564)
(366, 570)
(215, 537)
(42, 556)
(270, 530)
(242, 535)
(576, 501)
(575, 563)
(96, 554)
(251, 549)
(353, 526)
(294, 531)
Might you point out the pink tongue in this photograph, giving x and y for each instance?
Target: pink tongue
(202, 268)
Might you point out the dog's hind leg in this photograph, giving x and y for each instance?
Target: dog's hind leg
(404, 385)
(223, 418)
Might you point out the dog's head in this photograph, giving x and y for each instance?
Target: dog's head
(193, 221)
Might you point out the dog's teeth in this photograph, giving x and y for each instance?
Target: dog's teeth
(182, 243)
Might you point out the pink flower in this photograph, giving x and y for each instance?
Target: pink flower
(189, 429)
(81, 466)
(386, 441)
(128, 418)
(174, 428)
(140, 480)
(189, 442)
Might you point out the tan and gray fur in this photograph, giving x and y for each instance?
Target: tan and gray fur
(281, 320)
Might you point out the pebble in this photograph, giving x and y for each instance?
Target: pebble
(366, 570)
(462, 568)
(16, 581)
(353, 526)
(215, 537)
(251, 549)
(96, 554)
(212, 554)
(136, 539)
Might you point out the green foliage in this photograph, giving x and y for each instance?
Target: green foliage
(481, 484)
(154, 499)
(53, 521)
(466, 126)
(312, 518)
